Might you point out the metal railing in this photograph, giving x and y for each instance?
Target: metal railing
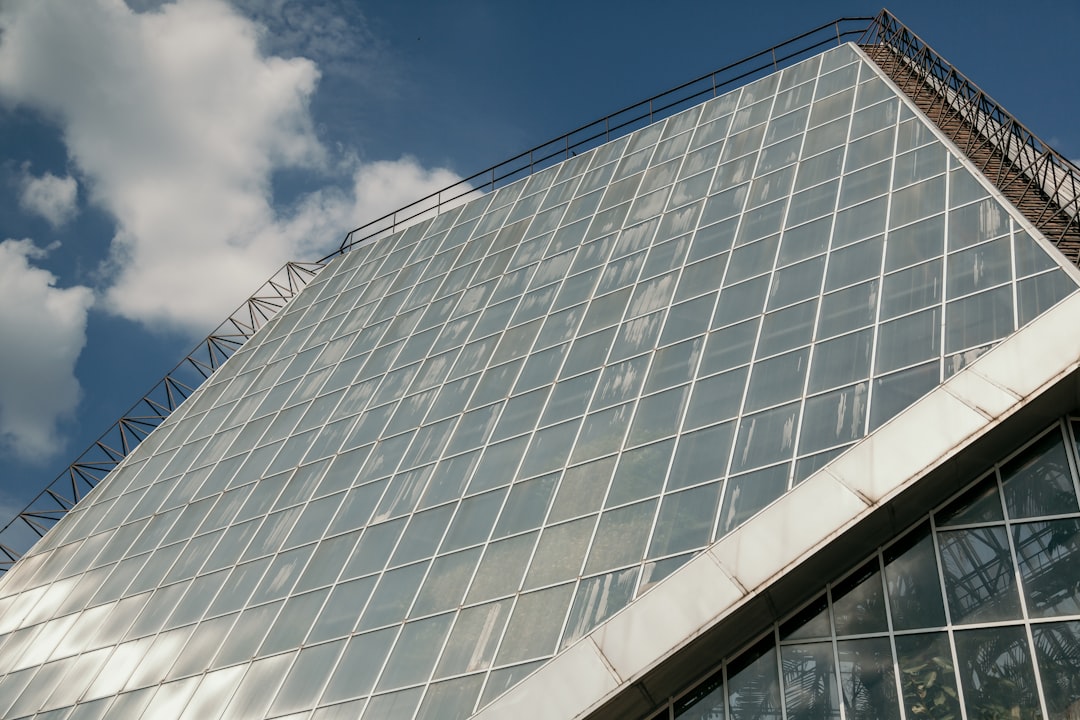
(614, 125)
(1051, 190)
(98, 460)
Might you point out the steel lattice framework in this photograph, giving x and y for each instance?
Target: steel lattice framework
(94, 463)
(1043, 184)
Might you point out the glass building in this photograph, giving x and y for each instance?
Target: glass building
(759, 411)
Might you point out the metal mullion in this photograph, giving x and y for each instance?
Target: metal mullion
(633, 414)
(779, 671)
(555, 490)
(738, 419)
(824, 275)
(833, 645)
(876, 327)
(1025, 615)
(948, 614)
(691, 384)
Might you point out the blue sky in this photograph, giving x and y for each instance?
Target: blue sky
(159, 160)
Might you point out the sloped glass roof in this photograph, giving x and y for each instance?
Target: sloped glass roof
(465, 445)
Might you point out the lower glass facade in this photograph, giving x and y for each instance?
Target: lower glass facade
(973, 613)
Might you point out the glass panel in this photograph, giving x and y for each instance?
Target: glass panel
(359, 665)
(980, 504)
(473, 640)
(453, 698)
(415, 653)
(640, 473)
(393, 596)
(1048, 555)
(754, 685)
(701, 456)
(535, 624)
(974, 223)
(502, 567)
(395, 706)
(705, 702)
(621, 537)
(716, 398)
(342, 609)
(834, 418)
(859, 604)
(980, 267)
(766, 437)
(867, 679)
(1056, 646)
(995, 669)
(305, 680)
(446, 582)
(809, 681)
(685, 521)
(912, 583)
(1037, 294)
(927, 676)
(747, 494)
(893, 393)
(560, 552)
(912, 289)
(979, 579)
(598, 598)
(777, 380)
(1038, 481)
(909, 340)
(840, 361)
(673, 365)
(788, 328)
(658, 415)
(847, 310)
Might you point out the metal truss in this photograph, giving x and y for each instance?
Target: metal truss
(611, 126)
(91, 467)
(1043, 184)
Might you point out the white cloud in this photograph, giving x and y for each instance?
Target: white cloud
(53, 198)
(44, 330)
(177, 122)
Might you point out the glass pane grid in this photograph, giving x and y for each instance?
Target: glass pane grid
(973, 610)
(570, 332)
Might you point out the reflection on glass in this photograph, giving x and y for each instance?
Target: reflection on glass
(995, 669)
(980, 504)
(1038, 481)
(810, 622)
(867, 679)
(753, 685)
(1049, 558)
(809, 681)
(749, 493)
(859, 603)
(1057, 651)
(979, 578)
(598, 598)
(927, 676)
(911, 578)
